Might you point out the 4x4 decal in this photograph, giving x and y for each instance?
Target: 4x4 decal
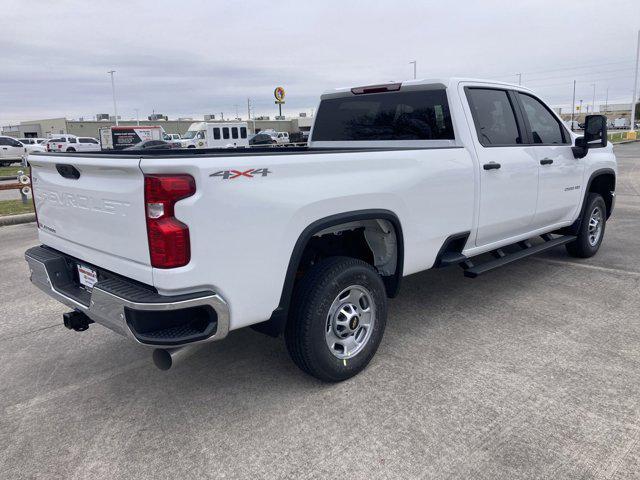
(231, 174)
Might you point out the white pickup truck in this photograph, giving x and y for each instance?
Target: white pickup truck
(176, 248)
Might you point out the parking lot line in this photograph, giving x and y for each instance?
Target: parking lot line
(615, 271)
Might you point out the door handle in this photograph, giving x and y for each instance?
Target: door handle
(491, 166)
(546, 161)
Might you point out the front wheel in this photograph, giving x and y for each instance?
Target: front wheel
(71, 149)
(591, 230)
(338, 316)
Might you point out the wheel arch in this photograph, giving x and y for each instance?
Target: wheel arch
(602, 181)
(275, 325)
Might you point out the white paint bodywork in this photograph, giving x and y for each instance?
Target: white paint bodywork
(243, 230)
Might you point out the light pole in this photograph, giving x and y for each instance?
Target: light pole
(573, 104)
(137, 117)
(113, 91)
(580, 110)
(593, 102)
(634, 98)
(519, 79)
(415, 66)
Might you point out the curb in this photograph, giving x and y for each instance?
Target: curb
(17, 219)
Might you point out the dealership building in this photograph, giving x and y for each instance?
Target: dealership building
(90, 128)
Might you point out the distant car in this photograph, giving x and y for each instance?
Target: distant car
(581, 126)
(171, 136)
(299, 137)
(572, 124)
(71, 143)
(32, 141)
(11, 151)
(282, 137)
(262, 139)
(151, 145)
(33, 144)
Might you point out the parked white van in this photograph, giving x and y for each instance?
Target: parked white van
(216, 135)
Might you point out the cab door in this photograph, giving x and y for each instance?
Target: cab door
(508, 173)
(560, 173)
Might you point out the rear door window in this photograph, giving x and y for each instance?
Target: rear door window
(243, 132)
(410, 115)
(234, 132)
(494, 117)
(225, 133)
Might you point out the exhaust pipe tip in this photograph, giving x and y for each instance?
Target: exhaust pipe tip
(166, 358)
(162, 359)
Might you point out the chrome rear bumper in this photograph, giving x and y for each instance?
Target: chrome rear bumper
(114, 301)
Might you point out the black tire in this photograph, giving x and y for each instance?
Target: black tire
(306, 330)
(583, 246)
(71, 149)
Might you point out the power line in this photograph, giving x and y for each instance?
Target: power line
(575, 67)
(535, 80)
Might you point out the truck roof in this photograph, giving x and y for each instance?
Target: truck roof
(447, 82)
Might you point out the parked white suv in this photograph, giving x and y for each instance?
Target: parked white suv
(33, 144)
(312, 241)
(71, 143)
(11, 151)
(282, 138)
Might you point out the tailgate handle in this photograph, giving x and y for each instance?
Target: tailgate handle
(68, 171)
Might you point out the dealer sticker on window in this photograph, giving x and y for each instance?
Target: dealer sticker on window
(87, 276)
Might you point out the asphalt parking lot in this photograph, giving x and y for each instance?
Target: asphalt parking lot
(532, 371)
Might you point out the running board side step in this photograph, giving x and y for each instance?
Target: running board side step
(502, 258)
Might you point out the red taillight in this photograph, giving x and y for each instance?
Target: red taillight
(169, 245)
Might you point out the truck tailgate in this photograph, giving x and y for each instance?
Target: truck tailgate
(93, 208)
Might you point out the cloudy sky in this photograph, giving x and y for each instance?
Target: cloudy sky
(191, 57)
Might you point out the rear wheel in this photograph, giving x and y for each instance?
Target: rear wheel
(337, 321)
(592, 228)
(71, 149)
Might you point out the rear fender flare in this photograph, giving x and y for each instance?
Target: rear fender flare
(275, 325)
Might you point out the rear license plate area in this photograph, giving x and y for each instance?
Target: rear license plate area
(87, 276)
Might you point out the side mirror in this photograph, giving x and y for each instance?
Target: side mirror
(595, 135)
(595, 131)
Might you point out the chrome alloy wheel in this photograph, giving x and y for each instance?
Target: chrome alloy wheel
(595, 226)
(350, 322)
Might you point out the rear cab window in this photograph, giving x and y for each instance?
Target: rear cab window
(414, 117)
(494, 117)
